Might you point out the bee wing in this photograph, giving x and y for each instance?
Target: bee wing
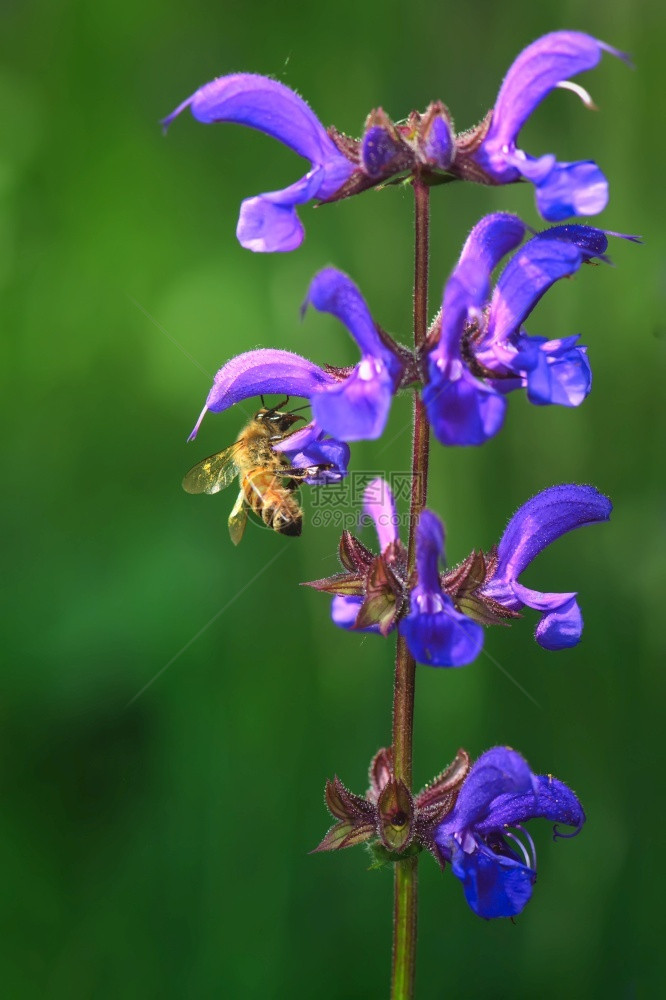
(238, 519)
(215, 473)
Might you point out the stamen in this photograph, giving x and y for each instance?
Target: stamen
(530, 842)
(519, 844)
(576, 88)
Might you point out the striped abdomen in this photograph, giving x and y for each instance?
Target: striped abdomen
(272, 501)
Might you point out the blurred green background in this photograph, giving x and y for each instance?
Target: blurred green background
(160, 848)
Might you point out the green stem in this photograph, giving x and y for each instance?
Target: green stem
(406, 872)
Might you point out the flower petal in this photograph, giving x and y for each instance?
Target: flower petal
(593, 242)
(443, 638)
(333, 292)
(378, 504)
(266, 370)
(543, 519)
(469, 285)
(266, 105)
(358, 408)
(499, 772)
(309, 448)
(344, 612)
(561, 623)
(560, 628)
(464, 291)
(555, 373)
(463, 410)
(490, 240)
(549, 799)
(571, 189)
(268, 222)
(299, 441)
(429, 550)
(494, 886)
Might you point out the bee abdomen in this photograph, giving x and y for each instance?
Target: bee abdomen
(284, 516)
(272, 502)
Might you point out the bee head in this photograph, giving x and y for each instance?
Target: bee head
(278, 420)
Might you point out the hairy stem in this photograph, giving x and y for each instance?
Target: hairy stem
(406, 872)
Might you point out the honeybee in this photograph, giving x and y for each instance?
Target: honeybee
(261, 471)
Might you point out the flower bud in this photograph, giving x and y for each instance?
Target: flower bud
(383, 150)
(436, 140)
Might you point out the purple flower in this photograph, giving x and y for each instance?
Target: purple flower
(310, 449)
(533, 528)
(562, 189)
(436, 633)
(269, 222)
(481, 836)
(482, 351)
(350, 405)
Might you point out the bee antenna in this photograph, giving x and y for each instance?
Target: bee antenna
(263, 401)
(299, 408)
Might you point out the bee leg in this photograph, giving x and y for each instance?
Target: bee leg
(310, 470)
